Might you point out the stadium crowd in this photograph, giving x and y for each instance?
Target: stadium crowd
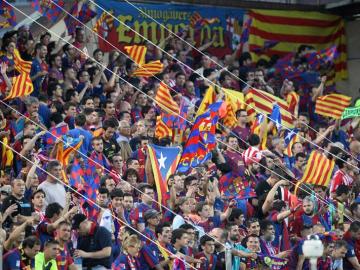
(235, 210)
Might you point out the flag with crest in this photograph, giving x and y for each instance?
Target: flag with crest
(65, 147)
(201, 139)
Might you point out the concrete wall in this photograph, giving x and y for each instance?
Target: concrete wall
(352, 85)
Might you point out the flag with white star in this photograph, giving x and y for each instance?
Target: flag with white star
(164, 161)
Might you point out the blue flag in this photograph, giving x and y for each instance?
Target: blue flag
(276, 116)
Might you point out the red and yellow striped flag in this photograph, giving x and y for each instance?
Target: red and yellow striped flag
(21, 86)
(20, 64)
(165, 101)
(290, 29)
(161, 129)
(259, 101)
(136, 53)
(149, 69)
(332, 105)
(106, 19)
(318, 169)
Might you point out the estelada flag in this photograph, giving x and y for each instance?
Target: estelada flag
(67, 146)
(318, 169)
(164, 161)
(234, 101)
(332, 105)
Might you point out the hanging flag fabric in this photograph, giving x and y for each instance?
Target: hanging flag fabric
(290, 138)
(105, 22)
(260, 101)
(148, 70)
(201, 139)
(49, 8)
(7, 154)
(350, 112)
(65, 147)
(50, 137)
(165, 101)
(21, 86)
(244, 38)
(164, 161)
(332, 105)
(136, 53)
(293, 28)
(161, 129)
(209, 98)
(234, 28)
(318, 170)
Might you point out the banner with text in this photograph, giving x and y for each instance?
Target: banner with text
(223, 25)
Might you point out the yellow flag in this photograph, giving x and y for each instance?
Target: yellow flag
(208, 99)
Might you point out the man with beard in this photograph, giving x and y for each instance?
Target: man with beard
(39, 68)
(163, 247)
(307, 216)
(105, 218)
(63, 259)
(237, 250)
(128, 204)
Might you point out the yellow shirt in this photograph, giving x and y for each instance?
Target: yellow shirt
(41, 265)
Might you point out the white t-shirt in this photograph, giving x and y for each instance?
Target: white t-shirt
(55, 192)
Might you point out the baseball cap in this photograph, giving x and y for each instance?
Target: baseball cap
(77, 219)
(151, 213)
